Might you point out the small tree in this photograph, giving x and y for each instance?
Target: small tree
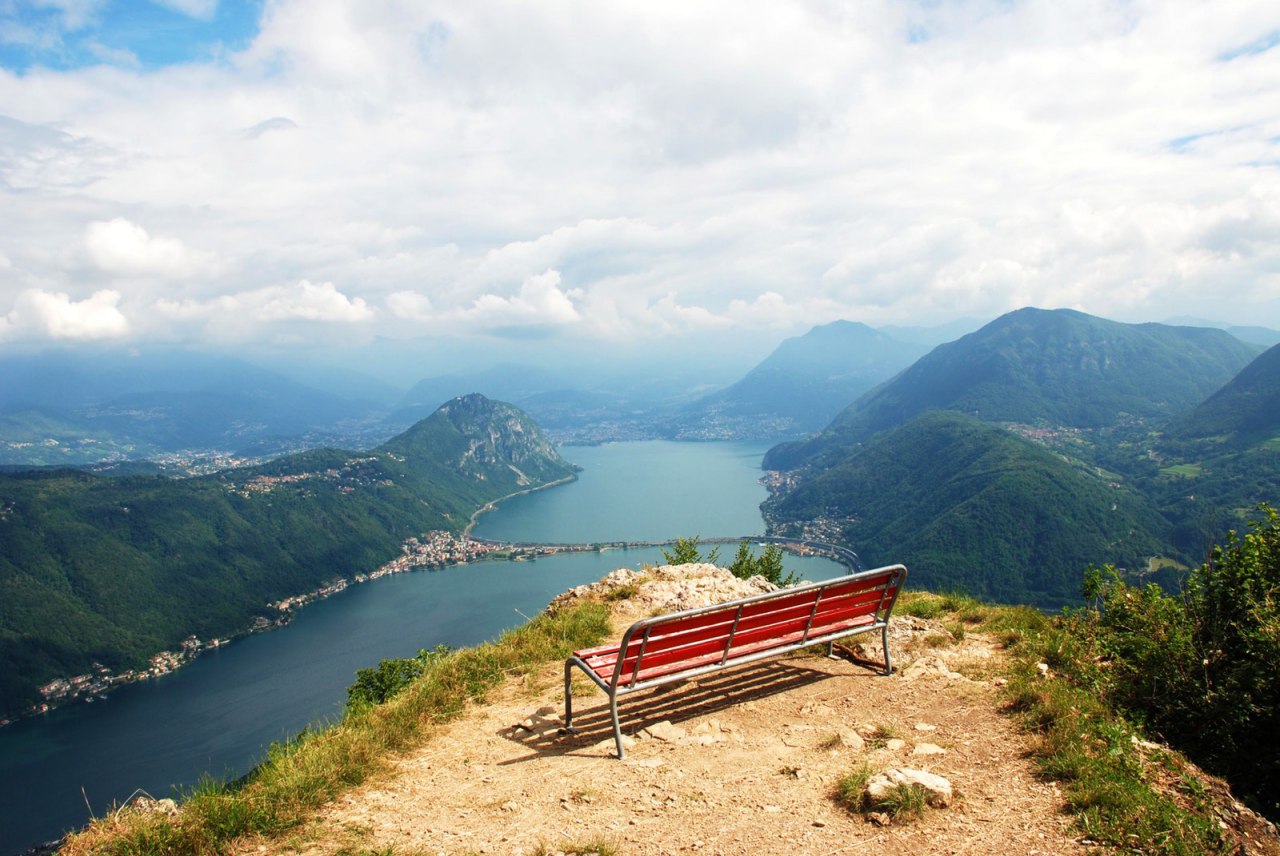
(685, 552)
(768, 565)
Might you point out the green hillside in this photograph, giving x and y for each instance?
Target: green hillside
(1243, 413)
(112, 570)
(969, 505)
(1056, 367)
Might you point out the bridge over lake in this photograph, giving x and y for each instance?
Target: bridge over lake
(802, 547)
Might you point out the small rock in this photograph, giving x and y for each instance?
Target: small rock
(851, 739)
(937, 789)
(665, 731)
(894, 744)
(510, 805)
(928, 749)
(879, 818)
(924, 726)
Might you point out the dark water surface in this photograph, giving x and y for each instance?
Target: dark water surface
(217, 715)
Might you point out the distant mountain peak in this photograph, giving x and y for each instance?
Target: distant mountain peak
(484, 440)
(801, 385)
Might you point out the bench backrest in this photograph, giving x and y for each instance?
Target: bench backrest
(739, 630)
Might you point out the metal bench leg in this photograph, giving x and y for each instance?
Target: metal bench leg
(884, 639)
(617, 726)
(568, 699)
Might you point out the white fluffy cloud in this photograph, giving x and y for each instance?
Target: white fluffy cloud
(612, 170)
(242, 314)
(539, 302)
(54, 315)
(118, 246)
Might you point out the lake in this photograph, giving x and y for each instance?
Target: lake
(217, 715)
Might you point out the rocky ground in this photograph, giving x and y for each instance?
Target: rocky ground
(739, 762)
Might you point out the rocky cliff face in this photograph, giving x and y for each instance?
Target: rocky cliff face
(500, 434)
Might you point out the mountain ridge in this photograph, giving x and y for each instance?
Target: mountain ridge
(1058, 367)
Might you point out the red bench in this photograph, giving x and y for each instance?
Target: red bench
(686, 644)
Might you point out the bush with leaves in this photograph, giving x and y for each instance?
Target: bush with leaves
(1202, 669)
(378, 683)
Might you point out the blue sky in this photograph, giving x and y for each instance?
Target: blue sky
(339, 173)
(147, 35)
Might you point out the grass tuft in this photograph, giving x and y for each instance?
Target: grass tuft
(593, 847)
(851, 788)
(904, 802)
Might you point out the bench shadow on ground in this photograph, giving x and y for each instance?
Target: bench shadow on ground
(678, 702)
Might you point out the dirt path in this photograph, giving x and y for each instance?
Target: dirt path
(748, 763)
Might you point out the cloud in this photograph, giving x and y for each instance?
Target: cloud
(540, 302)
(202, 9)
(121, 247)
(310, 302)
(302, 301)
(275, 123)
(657, 170)
(410, 305)
(74, 14)
(38, 313)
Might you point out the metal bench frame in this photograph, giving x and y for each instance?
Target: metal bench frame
(619, 673)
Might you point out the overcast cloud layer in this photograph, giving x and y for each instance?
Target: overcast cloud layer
(622, 171)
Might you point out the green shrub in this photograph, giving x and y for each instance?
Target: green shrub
(379, 683)
(1201, 669)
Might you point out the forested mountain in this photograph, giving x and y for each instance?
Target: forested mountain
(972, 506)
(112, 570)
(1245, 412)
(800, 386)
(1053, 367)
